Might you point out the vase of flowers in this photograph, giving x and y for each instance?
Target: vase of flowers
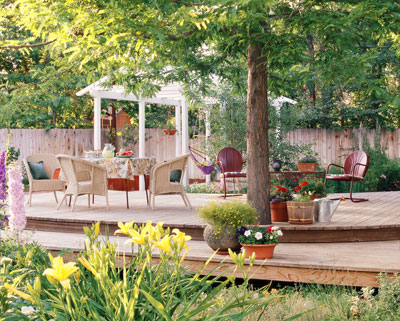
(279, 196)
(307, 164)
(260, 241)
(223, 219)
(301, 208)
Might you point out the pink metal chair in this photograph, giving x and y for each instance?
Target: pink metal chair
(230, 162)
(355, 167)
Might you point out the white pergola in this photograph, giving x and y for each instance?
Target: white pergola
(171, 94)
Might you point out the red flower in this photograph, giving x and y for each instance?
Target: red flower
(269, 230)
(283, 189)
(305, 183)
(277, 186)
(297, 188)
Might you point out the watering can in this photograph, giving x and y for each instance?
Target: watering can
(324, 209)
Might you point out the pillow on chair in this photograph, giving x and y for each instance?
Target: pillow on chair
(175, 176)
(37, 170)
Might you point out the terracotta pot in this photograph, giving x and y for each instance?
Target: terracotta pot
(262, 251)
(278, 212)
(313, 197)
(221, 241)
(169, 132)
(307, 167)
(300, 212)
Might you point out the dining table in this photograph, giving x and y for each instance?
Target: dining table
(123, 173)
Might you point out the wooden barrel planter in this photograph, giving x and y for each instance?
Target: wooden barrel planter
(300, 212)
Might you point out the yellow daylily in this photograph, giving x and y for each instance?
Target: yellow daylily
(124, 228)
(164, 244)
(181, 238)
(87, 265)
(148, 230)
(61, 271)
(21, 294)
(137, 238)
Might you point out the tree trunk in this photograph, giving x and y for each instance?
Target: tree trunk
(257, 134)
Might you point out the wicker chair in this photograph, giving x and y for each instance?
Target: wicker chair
(50, 164)
(160, 179)
(83, 177)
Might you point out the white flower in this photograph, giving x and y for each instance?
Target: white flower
(271, 237)
(274, 228)
(258, 236)
(383, 176)
(27, 310)
(279, 232)
(309, 193)
(247, 233)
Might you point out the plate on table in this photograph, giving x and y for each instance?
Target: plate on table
(124, 156)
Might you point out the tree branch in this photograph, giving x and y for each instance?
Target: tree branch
(34, 45)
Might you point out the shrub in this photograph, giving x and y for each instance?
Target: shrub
(233, 214)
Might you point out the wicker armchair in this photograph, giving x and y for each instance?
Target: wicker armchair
(83, 177)
(160, 179)
(50, 164)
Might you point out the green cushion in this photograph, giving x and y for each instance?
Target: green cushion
(175, 176)
(37, 170)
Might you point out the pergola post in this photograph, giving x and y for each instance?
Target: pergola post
(208, 133)
(178, 127)
(97, 123)
(142, 120)
(185, 135)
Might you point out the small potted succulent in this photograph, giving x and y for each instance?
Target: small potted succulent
(307, 164)
(259, 240)
(222, 221)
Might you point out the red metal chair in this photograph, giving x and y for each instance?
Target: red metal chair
(230, 162)
(355, 167)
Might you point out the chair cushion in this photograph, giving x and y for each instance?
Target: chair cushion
(343, 177)
(175, 176)
(37, 170)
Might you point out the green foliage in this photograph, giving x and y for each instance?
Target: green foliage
(98, 288)
(233, 214)
(308, 159)
(212, 188)
(316, 188)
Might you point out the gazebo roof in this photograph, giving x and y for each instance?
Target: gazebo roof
(171, 94)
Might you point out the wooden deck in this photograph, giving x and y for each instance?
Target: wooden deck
(326, 256)
(375, 220)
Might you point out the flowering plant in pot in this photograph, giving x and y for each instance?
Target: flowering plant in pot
(259, 240)
(170, 127)
(314, 190)
(308, 164)
(223, 219)
(301, 208)
(278, 198)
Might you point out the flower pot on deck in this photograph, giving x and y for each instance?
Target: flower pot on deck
(221, 240)
(278, 212)
(261, 251)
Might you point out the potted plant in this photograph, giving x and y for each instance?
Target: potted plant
(278, 199)
(315, 190)
(223, 219)
(170, 127)
(307, 164)
(259, 240)
(301, 208)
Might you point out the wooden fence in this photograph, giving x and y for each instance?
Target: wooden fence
(329, 144)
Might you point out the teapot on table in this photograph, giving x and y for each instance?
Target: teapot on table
(108, 151)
